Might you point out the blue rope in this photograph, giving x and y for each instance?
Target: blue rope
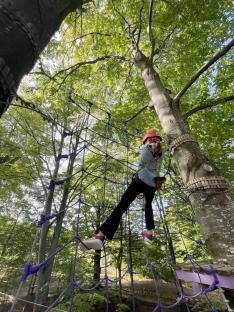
(107, 125)
(46, 217)
(54, 183)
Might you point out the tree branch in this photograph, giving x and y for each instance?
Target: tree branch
(213, 59)
(31, 106)
(90, 34)
(163, 44)
(209, 104)
(74, 67)
(137, 113)
(151, 35)
(125, 82)
(129, 28)
(77, 65)
(140, 24)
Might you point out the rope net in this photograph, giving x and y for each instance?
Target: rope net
(92, 165)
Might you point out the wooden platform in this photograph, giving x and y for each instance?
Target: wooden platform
(202, 274)
(205, 277)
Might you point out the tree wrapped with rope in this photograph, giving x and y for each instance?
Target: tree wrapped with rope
(26, 28)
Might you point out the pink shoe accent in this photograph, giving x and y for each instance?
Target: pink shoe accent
(100, 236)
(148, 236)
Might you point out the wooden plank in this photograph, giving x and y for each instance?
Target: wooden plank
(206, 279)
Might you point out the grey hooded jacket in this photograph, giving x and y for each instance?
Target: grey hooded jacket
(149, 166)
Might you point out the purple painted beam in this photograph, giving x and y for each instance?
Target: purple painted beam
(196, 288)
(203, 278)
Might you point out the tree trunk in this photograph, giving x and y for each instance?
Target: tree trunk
(213, 207)
(26, 28)
(96, 266)
(44, 274)
(47, 210)
(119, 262)
(97, 254)
(45, 226)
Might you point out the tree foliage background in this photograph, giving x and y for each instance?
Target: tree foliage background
(89, 59)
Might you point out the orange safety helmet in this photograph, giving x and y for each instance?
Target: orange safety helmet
(151, 134)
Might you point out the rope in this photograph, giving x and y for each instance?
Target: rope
(77, 220)
(181, 140)
(29, 257)
(101, 120)
(209, 271)
(84, 173)
(103, 206)
(205, 183)
(127, 225)
(46, 217)
(30, 302)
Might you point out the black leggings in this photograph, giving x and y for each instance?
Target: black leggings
(109, 227)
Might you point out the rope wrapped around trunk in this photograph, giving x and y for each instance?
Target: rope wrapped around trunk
(180, 140)
(204, 183)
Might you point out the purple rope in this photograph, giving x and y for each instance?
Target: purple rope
(106, 282)
(32, 269)
(127, 238)
(198, 241)
(98, 119)
(45, 217)
(58, 300)
(75, 285)
(213, 286)
(171, 306)
(182, 295)
(182, 299)
(209, 289)
(168, 167)
(209, 271)
(185, 217)
(53, 183)
(149, 265)
(200, 293)
(67, 133)
(107, 125)
(103, 207)
(74, 262)
(158, 302)
(29, 269)
(60, 156)
(78, 239)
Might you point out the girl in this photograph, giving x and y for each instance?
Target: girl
(146, 181)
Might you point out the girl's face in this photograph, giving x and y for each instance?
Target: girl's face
(153, 140)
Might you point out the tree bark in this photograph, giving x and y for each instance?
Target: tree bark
(119, 262)
(44, 274)
(44, 233)
(47, 209)
(26, 28)
(213, 208)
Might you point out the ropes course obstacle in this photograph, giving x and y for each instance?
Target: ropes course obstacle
(197, 274)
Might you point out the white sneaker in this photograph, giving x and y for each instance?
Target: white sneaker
(95, 243)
